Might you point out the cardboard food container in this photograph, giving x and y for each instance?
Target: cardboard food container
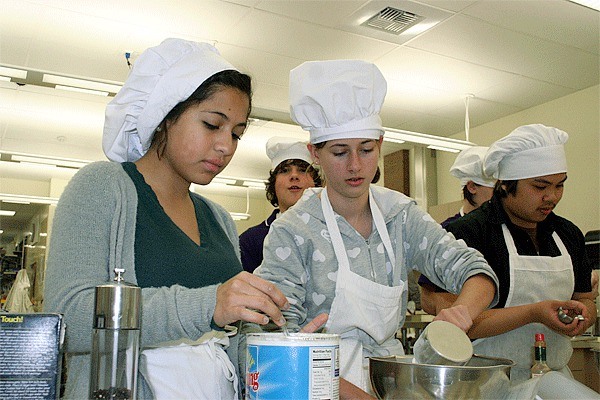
(30, 355)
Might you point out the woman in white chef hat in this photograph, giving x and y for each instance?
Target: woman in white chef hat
(346, 249)
(538, 256)
(176, 121)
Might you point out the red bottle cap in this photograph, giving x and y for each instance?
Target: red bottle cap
(539, 337)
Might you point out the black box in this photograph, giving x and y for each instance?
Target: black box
(30, 355)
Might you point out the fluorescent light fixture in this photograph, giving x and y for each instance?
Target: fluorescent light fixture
(43, 234)
(13, 72)
(254, 184)
(239, 216)
(17, 201)
(593, 4)
(81, 90)
(6, 213)
(224, 181)
(57, 162)
(4, 78)
(441, 148)
(393, 140)
(15, 198)
(80, 83)
(425, 139)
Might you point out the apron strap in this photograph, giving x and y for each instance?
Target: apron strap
(336, 236)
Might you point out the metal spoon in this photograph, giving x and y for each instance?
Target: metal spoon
(285, 330)
(567, 319)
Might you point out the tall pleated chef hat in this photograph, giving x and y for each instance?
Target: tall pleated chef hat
(280, 149)
(337, 99)
(527, 152)
(468, 166)
(161, 77)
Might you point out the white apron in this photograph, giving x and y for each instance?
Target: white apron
(532, 279)
(361, 304)
(191, 370)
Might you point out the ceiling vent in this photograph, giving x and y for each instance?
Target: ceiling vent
(396, 21)
(393, 20)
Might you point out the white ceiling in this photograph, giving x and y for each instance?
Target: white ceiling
(510, 55)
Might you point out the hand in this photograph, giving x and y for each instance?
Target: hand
(594, 283)
(249, 298)
(457, 315)
(547, 314)
(315, 324)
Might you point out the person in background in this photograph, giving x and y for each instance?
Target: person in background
(538, 256)
(346, 249)
(291, 173)
(176, 121)
(477, 189)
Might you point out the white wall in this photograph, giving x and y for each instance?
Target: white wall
(578, 115)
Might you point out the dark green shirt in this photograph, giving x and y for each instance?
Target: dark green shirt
(166, 256)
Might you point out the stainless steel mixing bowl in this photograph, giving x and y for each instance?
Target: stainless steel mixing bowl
(397, 377)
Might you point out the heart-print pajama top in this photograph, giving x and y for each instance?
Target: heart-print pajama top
(299, 257)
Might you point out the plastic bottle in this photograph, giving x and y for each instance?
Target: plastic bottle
(539, 367)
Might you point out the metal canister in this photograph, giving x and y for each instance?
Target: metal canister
(115, 339)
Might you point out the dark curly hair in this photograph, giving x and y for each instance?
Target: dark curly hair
(224, 79)
(314, 173)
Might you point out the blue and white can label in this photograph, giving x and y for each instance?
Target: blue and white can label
(299, 366)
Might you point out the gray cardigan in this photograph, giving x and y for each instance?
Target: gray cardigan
(92, 233)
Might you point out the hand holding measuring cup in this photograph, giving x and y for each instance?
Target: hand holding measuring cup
(443, 343)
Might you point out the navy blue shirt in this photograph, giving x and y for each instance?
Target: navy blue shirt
(251, 243)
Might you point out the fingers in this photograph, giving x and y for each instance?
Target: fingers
(267, 288)
(315, 324)
(572, 308)
(457, 315)
(249, 298)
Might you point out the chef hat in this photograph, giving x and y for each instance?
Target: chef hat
(162, 77)
(284, 148)
(338, 99)
(468, 166)
(527, 152)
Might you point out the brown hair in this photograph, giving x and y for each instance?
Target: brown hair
(314, 173)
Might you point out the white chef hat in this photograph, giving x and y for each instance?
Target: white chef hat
(162, 77)
(284, 148)
(468, 166)
(527, 152)
(337, 99)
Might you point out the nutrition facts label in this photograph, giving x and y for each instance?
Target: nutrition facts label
(324, 373)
